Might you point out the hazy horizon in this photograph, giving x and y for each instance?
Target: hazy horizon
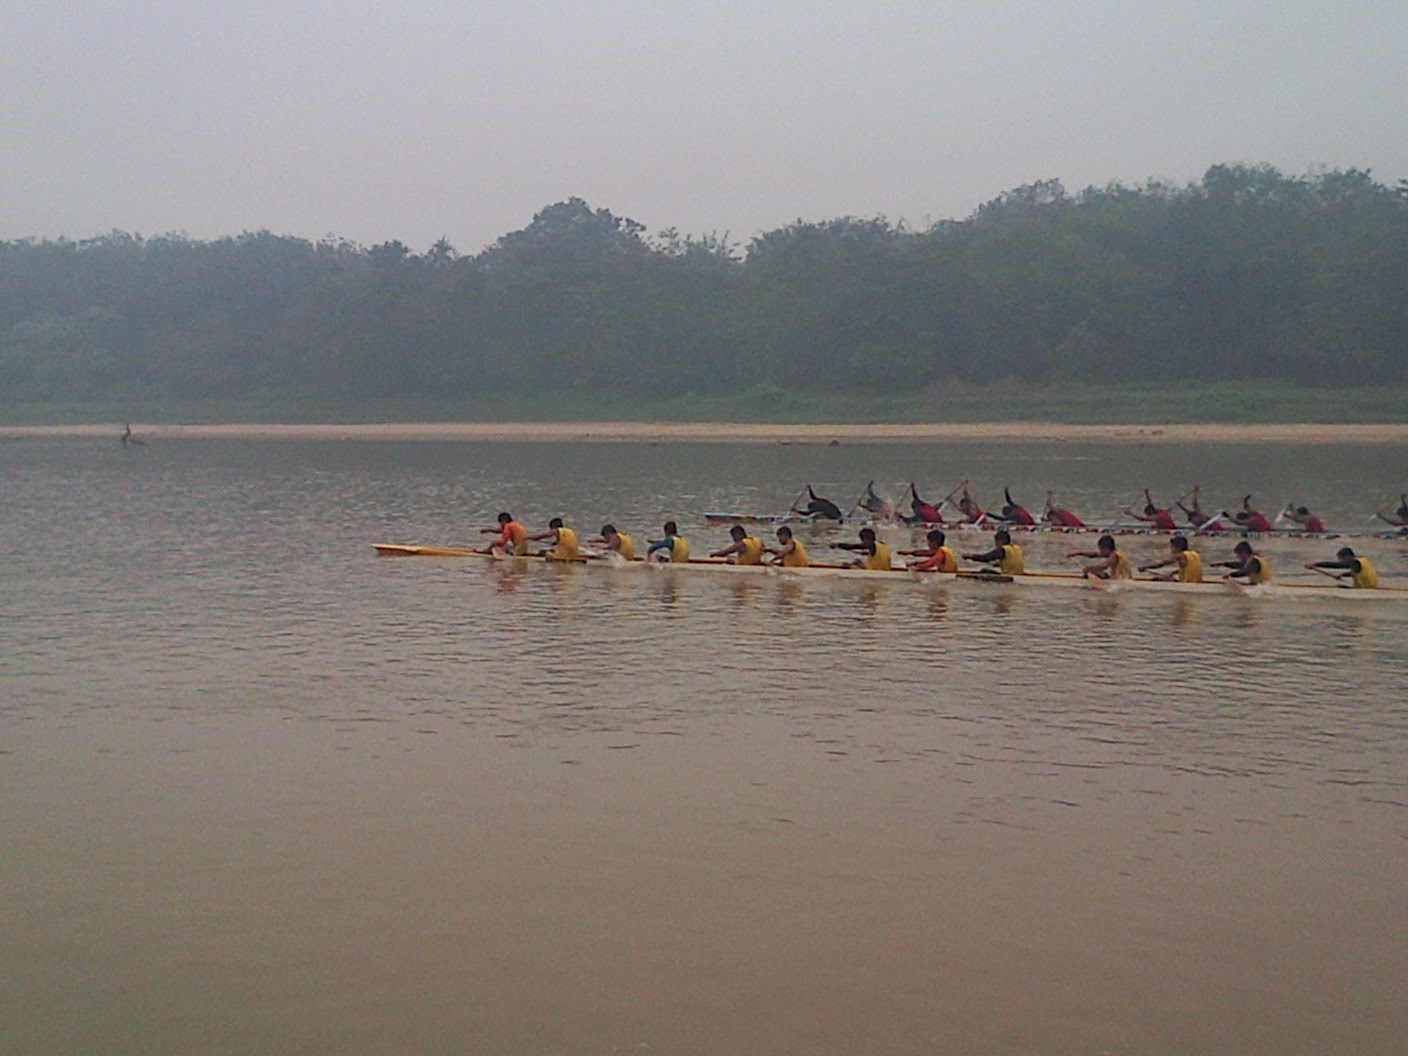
(461, 121)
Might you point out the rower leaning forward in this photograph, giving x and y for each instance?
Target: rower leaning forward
(565, 546)
(874, 553)
(744, 550)
(1358, 571)
(672, 548)
(1246, 564)
(512, 536)
(1006, 556)
(1110, 562)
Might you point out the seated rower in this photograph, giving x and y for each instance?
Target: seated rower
(879, 507)
(1153, 516)
(564, 542)
(672, 548)
(617, 542)
(1005, 554)
(1251, 519)
(1246, 564)
(821, 509)
(922, 512)
(1014, 512)
(1398, 517)
(1058, 516)
(744, 550)
(1359, 571)
(1311, 522)
(513, 537)
(1111, 562)
(1184, 564)
(972, 512)
(1198, 518)
(789, 551)
(938, 558)
(875, 553)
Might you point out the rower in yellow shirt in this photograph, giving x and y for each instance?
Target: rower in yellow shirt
(618, 543)
(1360, 571)
(673, 548)
(1110, 561)
(744, 550)
(875, 553)
(789, 551)
(1184, 564)
(1247, 565)
(1005, 554)
(565, 546)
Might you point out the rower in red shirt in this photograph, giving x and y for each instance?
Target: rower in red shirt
(1153, 516)
(1311, 522)
(1015, 513)
(1251, 519)
(1058, 516)
(972, 512)
(923, 512)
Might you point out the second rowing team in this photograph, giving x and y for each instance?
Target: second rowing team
(1106, 562)
(965, 510)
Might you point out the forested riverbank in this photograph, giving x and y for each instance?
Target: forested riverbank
(1241, 296)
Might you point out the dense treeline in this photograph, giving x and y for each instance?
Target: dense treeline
(1247, 274)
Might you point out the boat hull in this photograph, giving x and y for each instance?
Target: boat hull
(1034, 580)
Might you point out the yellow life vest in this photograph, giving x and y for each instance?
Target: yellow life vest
(948, 560)
(1367, 576)
(798, 557)
(879, 561)
(1013, 562)
(679, 553)
(1261, 572)
(1192, 570)
(1122, 569)
(567, 548)
(752, 552)
(626, 546)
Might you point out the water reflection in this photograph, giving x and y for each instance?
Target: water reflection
(242, 747)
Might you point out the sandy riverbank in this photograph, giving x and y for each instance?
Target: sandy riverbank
(745, 432)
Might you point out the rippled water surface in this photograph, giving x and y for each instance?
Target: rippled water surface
(261, 791)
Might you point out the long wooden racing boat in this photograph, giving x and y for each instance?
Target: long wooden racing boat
(902, 575)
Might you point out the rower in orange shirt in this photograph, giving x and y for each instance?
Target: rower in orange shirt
(938, 558)
(513, 537)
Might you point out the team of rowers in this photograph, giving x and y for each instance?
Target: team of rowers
(1106, 562)
(1013, 513)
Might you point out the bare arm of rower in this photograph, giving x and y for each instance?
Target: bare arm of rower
(989, 557)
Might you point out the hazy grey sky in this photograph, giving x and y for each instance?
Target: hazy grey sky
(413, 120)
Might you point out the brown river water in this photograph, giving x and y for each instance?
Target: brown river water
(263, 792)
